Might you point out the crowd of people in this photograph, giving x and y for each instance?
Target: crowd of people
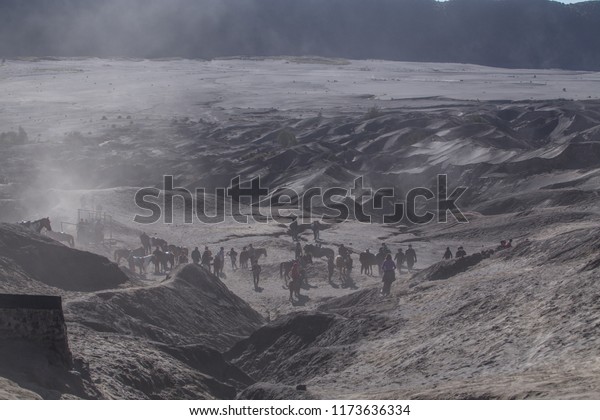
(388, 263)
(216, 263)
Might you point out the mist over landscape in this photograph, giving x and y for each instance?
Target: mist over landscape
(496, 297)
(509, 33)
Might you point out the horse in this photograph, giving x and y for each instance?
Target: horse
(157, 260)
(37, 225)
(284, 270)
(259, 252)
(286, 266)
(122, 253)
(157, 242)
(249, 254)
(140, 262)
(139, 252)
(305, 260)
(166, 259)
(146, 243)
(176, 250)
(61, 237)
(318, 252)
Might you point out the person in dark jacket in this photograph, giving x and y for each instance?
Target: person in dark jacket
(447, 254)
(196, 256)
(411, 258)
(233, 257)
(399, 259)
(389, 274)
(461, 253)
(207, 258)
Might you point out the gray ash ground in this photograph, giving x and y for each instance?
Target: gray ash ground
(520, 324)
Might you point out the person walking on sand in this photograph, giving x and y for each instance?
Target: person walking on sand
(196, 256)
(295, 275)
(399, 260)
(256, 269)
(316, 227)
(220, 261)
(157, 258)
(411, 258)
(330, 268)
(389, 274)
(207, 258)
(233, 257)
(294, 229)
(447, 254)
(251, 253)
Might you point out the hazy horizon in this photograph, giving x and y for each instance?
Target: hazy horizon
(522, 34)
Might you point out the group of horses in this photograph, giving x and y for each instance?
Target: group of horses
(216, 264)
(246, 255)
(342, 263)
(164, 257)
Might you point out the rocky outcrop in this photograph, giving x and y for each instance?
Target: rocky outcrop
(37, 258)
(191, 307)
(447, 269)
(38, 320)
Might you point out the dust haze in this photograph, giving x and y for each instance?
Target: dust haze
(101, 99)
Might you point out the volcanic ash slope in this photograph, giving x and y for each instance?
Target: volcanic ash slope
(521, 324)
(127, 340)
